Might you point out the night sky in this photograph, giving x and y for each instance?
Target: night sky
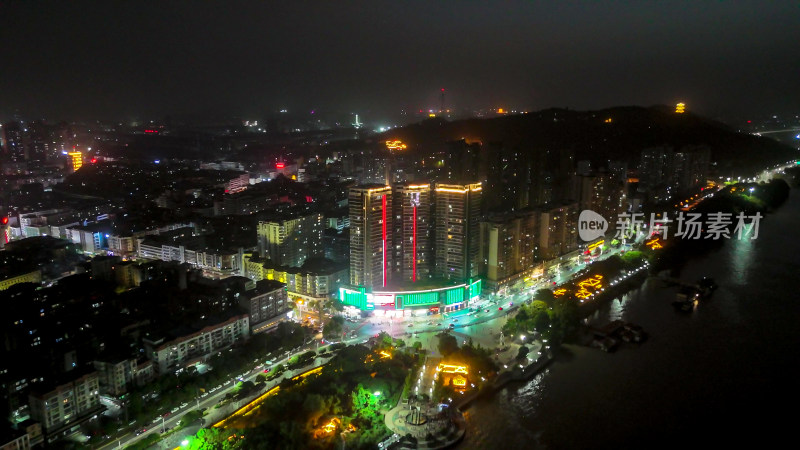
(79, 60)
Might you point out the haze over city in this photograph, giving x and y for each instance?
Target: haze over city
(144, 60)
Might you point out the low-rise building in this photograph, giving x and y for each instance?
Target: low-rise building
(171, 350)
(316, 279)
(115, 374)
(267, 301)
(62, 405)
(9, 279)
(11, 439)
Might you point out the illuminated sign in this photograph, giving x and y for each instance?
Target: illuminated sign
(452, 368)
(609, 120)
(680, 108)
(654, 244)
(589, 286)
(382, 299)
(280, 165)
(459, 381)
(595, 245)
(559, 292)
(396, 144)
(77, 160)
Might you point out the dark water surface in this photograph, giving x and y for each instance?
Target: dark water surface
(725, 375)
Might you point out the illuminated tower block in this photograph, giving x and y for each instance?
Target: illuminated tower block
(412, 239)
(370, 235)
(76, 159)
(457, 216)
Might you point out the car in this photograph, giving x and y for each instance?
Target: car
(452, 325)
(204, 394)
(166, 414)
(455, 319)
(411, 325)
(184, 405)
(140, 431)
(266, 370)
(157, 419)
(486, 310)
(500, 308)
(175, 409)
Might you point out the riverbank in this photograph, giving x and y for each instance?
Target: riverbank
(701, 375)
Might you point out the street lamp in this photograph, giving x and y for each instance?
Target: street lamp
(184, 443)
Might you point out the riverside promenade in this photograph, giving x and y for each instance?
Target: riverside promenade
(427, 425)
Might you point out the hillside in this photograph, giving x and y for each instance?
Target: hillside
(631, 129)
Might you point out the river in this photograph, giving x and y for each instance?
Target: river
(722, 375)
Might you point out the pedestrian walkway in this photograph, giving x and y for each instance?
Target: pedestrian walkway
(438, 428)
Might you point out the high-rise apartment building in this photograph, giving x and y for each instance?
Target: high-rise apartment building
(412, 232)
(508, 246)
(370, 235)
(14, 141)
(603, 193)
(558, 230)
(457, 230)
(290, 240)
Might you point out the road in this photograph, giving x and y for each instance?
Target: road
(483, 327)
(208, 401)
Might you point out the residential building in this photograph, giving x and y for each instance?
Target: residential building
(558, 233)
(291, 239)
(370, 234)
(65, 404)
(509, 247)
(177, 348)
(457, 230)
(412, 232)
(267, 301)
(316, 279)
(115, 374)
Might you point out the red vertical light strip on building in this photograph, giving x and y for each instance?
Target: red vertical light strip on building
(384, 240)
(414, 244)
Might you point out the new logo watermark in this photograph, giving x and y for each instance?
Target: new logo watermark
(717, 225)
(591, 225)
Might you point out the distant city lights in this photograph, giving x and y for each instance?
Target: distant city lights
(396, 145)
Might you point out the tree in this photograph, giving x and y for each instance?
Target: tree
(447, 344)
(545, 295)
(511, 327)
(632, 258)
(333, 328)
(541, 321)
(191, 417)
(538, 305)
(336, 305)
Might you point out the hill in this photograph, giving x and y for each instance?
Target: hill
(630, 130)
